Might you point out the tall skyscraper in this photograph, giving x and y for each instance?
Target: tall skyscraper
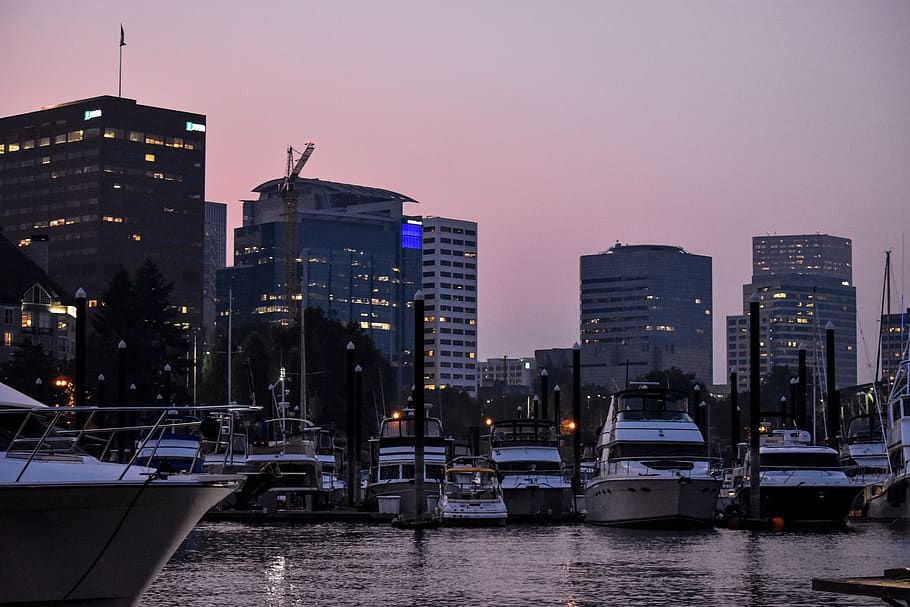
(644, 308)
(357, 254)
(214, 259)
(803, 282)
(105, 183)
(450, 303)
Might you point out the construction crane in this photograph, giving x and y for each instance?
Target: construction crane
(286, 189)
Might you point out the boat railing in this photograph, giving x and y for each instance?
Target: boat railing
(56, 431)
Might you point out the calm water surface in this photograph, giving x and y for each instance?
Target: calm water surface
(574, 565)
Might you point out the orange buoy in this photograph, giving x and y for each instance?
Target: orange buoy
(777, 523)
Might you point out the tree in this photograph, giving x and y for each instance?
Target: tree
(138, 311)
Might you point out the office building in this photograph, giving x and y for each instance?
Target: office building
(214, 257)
(450, 301)
(105, 183)
(893, 343)
(644, 308)
(802, 282)
(358, 255)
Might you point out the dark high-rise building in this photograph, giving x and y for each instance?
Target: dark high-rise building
(803, 282)
(644, 308)
(214, 259)
(105, 183)
(357, 253)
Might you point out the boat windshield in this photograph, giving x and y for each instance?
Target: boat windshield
(652, 405)
(866, 429)
(406, 428)
(648, 450)
(524, 432)
(800, 461)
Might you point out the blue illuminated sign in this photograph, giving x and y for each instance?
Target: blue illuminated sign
(411, 236)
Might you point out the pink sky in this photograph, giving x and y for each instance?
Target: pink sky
(560, 127)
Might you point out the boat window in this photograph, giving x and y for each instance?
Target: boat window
(810, 461)
(388, 473)
(865, 430)
(906, 402)
(639, 450)
(435, 471)
(528, 466)
(407, 471)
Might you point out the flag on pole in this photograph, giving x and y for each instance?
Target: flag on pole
(122, 40)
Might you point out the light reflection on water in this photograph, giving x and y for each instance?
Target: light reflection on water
(574, 565)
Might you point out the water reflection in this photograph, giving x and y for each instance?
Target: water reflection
(572, 565)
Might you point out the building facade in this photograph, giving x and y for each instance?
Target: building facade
(105, 183)
(32, 308)
(802, 282)
(893, 343)
(357, 258)
(645, 308)
(214, 256)
(449, 266)
(520, 371)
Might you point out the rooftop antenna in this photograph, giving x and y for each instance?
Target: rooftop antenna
(120, 75)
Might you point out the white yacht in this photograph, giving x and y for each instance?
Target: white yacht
(79, 530)
(392, 458)
(535, 483)
(651, 467)
(800, 483)
(894, 500)
(864, 455)
(283, 471)
(470, 494)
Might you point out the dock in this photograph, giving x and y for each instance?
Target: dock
(336, 515)
(893, 587)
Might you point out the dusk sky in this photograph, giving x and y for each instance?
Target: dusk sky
(560, 127)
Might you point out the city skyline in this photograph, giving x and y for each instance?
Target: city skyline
(558, 129)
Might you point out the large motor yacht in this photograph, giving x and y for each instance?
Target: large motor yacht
(893, 502)
(78, 529)
(800, 483)
(392, 457)
(535, 483)
(651, 467)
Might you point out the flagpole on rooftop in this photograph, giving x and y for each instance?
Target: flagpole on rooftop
(120, 76)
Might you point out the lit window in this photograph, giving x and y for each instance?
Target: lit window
(43, 142)
(74, 136)
(137, 136)
(7, 338)
(150, 158)
(13, 147)
(135, 237)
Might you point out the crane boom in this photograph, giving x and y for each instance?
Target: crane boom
(287, 192)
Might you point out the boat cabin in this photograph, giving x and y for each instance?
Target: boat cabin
(524, 433)
(651, 404)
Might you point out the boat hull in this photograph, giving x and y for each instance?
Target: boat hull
(538, 503)
(114, 537)
(891, 504)
(804, 504)
(677, 502)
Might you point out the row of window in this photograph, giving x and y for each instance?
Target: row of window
(449, 230)
(449, 297)
(450, 253)
(456, 241)
(183, 143)
(450, 264)
(458, 275)
(450, 342)
(461, 309)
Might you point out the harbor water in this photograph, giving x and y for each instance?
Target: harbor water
(240, 564)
